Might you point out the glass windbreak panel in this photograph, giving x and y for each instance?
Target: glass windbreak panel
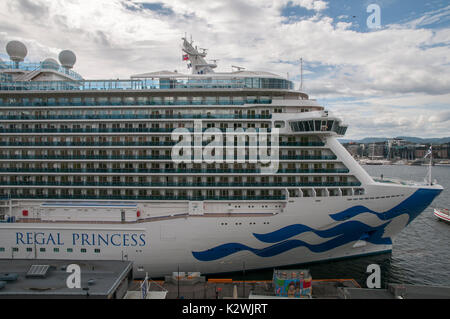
(89, 101)
(264, 100)
(169, 100)
(251, 100)
(143, 84)
(224, 100)
(102, 101)
(36, 102)
(156, 100)
(141, 100)
(238, 100)
(115, 101)
(182, 100)
(210, 100)
(128, 101)
(197, 100)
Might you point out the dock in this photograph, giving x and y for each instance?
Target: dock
(47, 279)
(229, 289)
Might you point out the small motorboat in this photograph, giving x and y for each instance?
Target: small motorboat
(442, 214)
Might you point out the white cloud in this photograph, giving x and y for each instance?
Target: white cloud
(431, 17)
(117, 38)
(316, 5)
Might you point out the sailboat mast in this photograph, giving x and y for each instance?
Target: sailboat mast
(431, 164)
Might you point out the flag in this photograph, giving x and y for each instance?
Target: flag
(185, 57)
(428, 152)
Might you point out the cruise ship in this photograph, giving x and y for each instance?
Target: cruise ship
(200, 171)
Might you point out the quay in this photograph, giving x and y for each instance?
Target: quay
(47, 279)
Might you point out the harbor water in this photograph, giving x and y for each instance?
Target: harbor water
(420, 254)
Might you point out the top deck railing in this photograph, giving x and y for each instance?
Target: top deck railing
(147, 84)
(28, 67)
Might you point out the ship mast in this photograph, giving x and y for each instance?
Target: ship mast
(431, 164)
(196, 58)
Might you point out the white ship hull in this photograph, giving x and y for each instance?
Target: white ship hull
(304, 230)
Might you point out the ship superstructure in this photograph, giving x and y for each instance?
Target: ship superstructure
(88, 171)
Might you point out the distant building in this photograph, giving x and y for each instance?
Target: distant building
(376, 150)
(397, 148)
(354, 149)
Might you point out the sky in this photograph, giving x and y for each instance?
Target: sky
(388, 81)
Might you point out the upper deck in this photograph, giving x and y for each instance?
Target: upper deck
(179, 83)
(49, 76)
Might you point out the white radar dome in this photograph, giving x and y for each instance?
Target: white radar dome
(67, 59)
(50, 64)
(16, 50)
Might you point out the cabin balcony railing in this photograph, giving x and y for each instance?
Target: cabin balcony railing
(149, 157)
(103, 130)
(171, 171)
(134, 143)
(163, 198)
(135, 116)
(180, 184)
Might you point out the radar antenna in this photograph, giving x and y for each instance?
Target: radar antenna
(239, 68)
(196, 58)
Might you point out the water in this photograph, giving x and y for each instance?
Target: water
(420, 254)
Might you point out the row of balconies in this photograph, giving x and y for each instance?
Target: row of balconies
(153, 157)
(130, 101)
(177, 171)
(135, 143)
(134, 116)
(145, 197)
(23, 184)
(128, 129)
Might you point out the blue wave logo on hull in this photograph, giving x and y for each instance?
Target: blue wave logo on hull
(341, 234)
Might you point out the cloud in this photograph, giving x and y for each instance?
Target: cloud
(117, 38)
(428, 18)
(316, 5)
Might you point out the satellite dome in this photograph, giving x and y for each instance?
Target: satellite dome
(50, 64)
(16, 50)
(67, 59)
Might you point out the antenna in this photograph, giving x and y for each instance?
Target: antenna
(239, 68)
(430, 165)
